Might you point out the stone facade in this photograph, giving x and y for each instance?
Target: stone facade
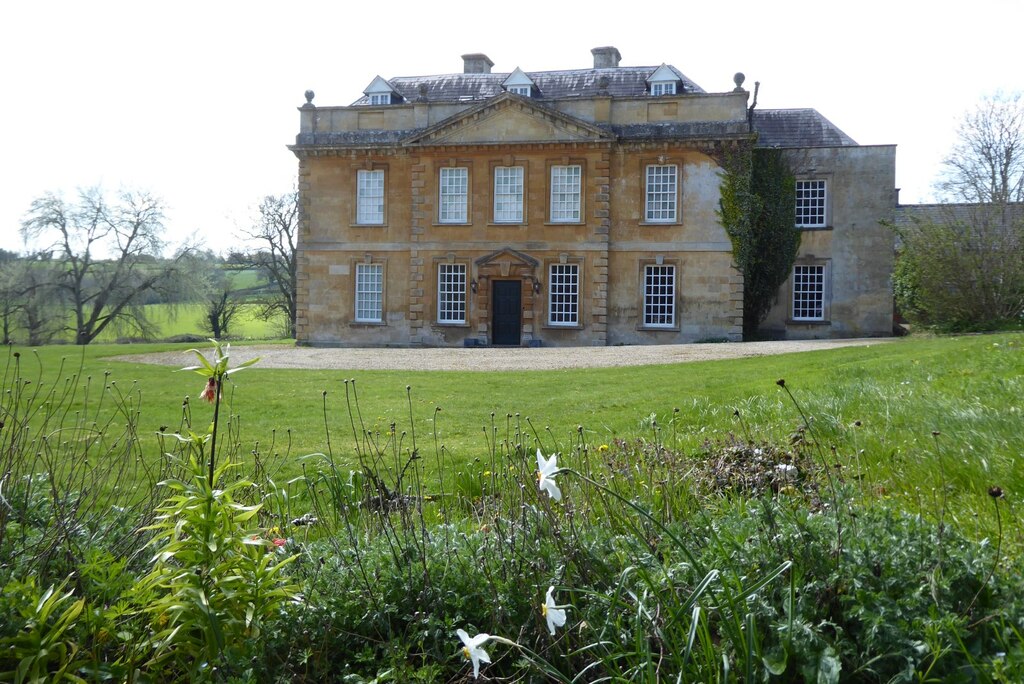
(566, 208)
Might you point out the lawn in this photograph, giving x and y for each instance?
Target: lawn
(878, 406)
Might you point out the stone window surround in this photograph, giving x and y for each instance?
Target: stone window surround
(826, 295)
(450, 260)
(371, 261)
(564, 259)
(642, 294)
(369, 166)
(828, 179)
(509, 161)
(661, 160)
(566, 162)
(455, 164)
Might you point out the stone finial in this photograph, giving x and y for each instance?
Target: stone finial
(476, 63)
(738, 79)
(602, 85)
(309, 97)
(421, 90)
(606, 57)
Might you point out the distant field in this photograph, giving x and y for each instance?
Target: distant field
(188, 320)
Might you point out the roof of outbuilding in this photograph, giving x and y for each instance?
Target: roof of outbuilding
(797, 128)
(617, 82)
(958, 213)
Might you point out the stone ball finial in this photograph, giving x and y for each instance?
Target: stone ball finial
(422, 89)
(309, 96)
(738, 79)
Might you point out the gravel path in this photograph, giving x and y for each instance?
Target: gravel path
(498, 359)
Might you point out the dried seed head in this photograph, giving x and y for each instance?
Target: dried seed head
(995, 492)
(781, 382)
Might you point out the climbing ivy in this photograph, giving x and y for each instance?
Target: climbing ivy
(757, 207)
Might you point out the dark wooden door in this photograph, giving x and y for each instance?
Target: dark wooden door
(507, 308)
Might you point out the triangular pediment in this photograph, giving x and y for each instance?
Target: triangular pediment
(378, 85)
(517, 78)
(508, 119)
(507, 255)
(662, 74)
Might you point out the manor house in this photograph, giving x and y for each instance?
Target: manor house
(571, 208)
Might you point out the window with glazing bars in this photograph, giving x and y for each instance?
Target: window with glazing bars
(508, 194)
(662, 193)
(565, 193)
(809, 293)
(663, 88)
(370, 197)
(810, 203)
(370, 292)
(451, 293)
(660, 296)
(564, 294)
(380, 98)
(520, 90)
(454, 195)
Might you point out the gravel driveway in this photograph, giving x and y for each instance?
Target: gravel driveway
(498, 358)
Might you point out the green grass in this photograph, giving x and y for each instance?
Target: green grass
(187, 319)
(966, 388)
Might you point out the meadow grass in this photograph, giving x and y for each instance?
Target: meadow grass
(879, 407)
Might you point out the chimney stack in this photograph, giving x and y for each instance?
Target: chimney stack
(477, 63)
(606, 57)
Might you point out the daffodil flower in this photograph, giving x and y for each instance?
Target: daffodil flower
(546, 469)
(471, 649)
(554, 615)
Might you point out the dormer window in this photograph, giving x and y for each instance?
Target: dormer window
(663, 88)
(664, 81)
(380, 92)
(518, 83)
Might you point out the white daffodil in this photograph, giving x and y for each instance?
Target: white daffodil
(555, 616)
(546, 469)
(471, 649)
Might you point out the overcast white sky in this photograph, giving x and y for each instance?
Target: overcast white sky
(195, 101)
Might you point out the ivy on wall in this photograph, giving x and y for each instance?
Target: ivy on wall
(757, 207)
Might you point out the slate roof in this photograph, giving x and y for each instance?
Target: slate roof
(797, 128)
(957, 213)
(549, 85)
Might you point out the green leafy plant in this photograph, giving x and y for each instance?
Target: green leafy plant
(42, 650)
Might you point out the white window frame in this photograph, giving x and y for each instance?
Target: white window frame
(524, 90)
(369, 293)
(663, 88)
(659, 292)
(370, 197)
(380, 98)
(564, 295)
(453, 195)
(661, 193)
(808, 299)
(508, 194)
(811, 203)
(566, 193)
(451, 293)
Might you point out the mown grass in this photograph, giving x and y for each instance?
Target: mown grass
(172, 320)
(878, 406)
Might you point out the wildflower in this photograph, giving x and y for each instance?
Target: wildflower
(546, 469)
(471, 649)
(209, 392)
(555, 616)
(279, 543)
(603, 448)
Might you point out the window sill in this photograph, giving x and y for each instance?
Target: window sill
(813, 324)
(555, 326)
(507, 224)
(452, 223)
(368, 225)
(658, 328)
(660, 223)
(565, 223)
(812, 229)
(368, 324)
(451, 324)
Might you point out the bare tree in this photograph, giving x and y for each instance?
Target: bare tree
(276, 230)
(986, 164)
(109, 256)
(29, 300)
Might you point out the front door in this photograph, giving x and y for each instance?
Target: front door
(507, 310)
